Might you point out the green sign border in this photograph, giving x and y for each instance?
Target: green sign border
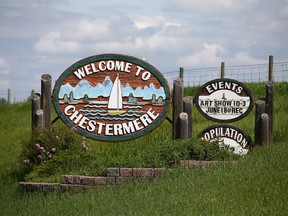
(119, 57)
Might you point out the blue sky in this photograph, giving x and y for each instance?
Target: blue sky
(41, 36)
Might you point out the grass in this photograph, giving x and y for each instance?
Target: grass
(256, 185)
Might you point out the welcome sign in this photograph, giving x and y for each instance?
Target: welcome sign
(112, 97)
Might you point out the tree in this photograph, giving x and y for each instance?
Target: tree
(86, 100)
(71, 96)
(65, 98)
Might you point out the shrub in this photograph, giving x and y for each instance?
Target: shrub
(59, 151)
(50, 149)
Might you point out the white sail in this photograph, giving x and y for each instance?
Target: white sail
(115, 99)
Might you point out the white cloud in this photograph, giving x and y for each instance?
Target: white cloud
(4, 67)
(284, 12)
(88, 29)
(209, 6)
(241, 58)
(4, 83)
(206, 57)
(110, 35)
(54, 43)
(143, 22)
(27, 2)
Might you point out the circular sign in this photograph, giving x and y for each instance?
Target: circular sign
(227, 135)
(112, 97)
(224, 100)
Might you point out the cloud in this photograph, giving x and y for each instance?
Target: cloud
(209, 6)
(54, 43)
(4, 67)
(207, 56)
(112, 34)
(284, 12)
(27, 2)
(144, 22)
(4, 83)
(241, 58)
(88, 29)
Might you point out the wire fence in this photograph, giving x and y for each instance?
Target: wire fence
(14, 96)
(257, 73)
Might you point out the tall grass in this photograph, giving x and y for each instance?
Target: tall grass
(256, 185)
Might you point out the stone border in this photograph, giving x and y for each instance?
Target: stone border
(193, 164)
(114, 177)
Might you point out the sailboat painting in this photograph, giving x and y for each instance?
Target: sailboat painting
(115, 103)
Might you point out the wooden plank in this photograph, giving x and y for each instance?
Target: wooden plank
(188, 108)
(178, 92)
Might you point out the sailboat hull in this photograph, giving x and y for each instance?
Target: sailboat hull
(114, 112)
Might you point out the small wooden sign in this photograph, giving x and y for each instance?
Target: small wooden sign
(224, 100)
(112, 97)
(227, 135)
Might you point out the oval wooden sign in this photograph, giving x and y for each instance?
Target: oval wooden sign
(224, 100)
(237, 140)
(112, 97)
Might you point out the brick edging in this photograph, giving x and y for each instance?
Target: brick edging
(115, 176)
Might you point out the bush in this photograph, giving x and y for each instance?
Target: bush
(59, 151)
(51, 149)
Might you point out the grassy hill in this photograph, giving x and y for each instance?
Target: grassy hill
(256, 185)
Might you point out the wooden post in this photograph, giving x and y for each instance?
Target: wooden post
(178, 92)
(271, 68)
(265, 131)
(183, 119)
(9, 101)
(260, 109)
(188, 108)
(269, 107)
(40, 119)
(35, 106)
(46, 98)
(32, 93)
(222, 70)
(181, 72)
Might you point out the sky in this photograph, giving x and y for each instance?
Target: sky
(47, 36)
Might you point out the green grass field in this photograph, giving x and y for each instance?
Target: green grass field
(256, 185)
